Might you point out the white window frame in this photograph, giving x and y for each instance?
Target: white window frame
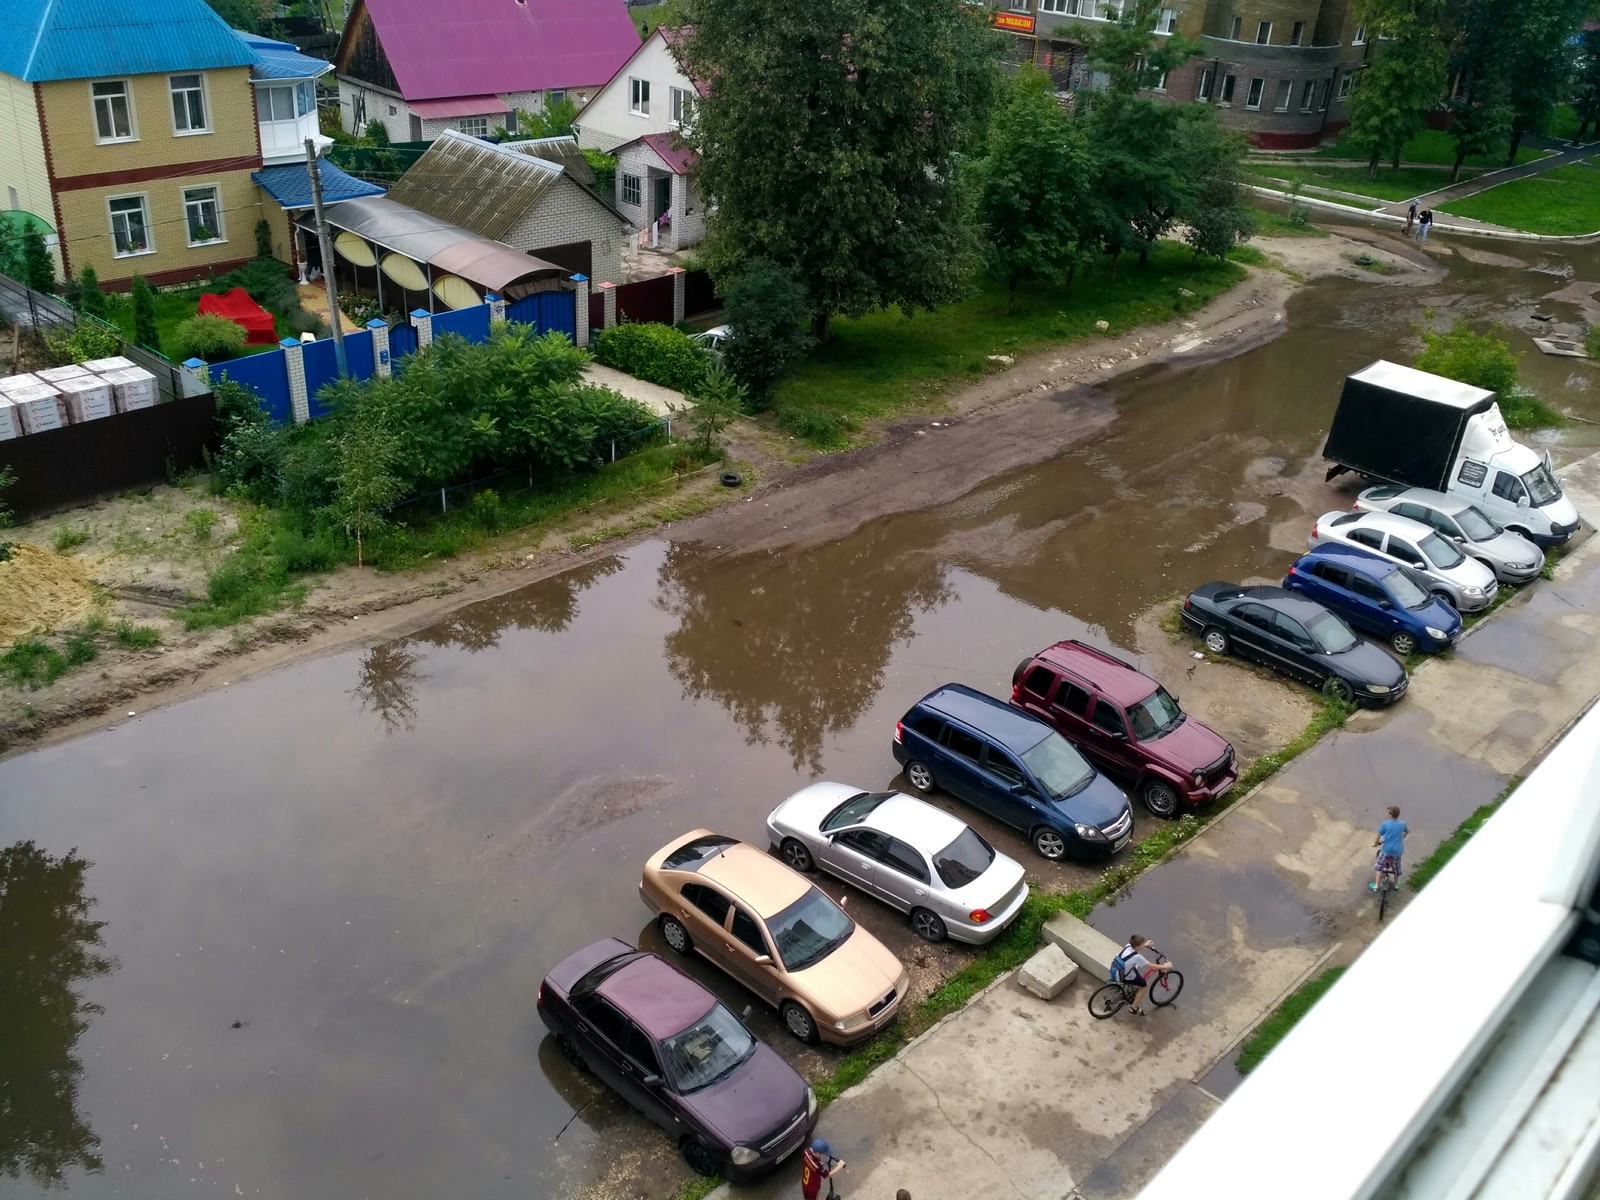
(1235, 29)
(1347, 85)
(127, 99)
(480, 126)
(680, 108)
(264, 96)
(1059, 8)
(144, 211)
(1167, 22)
(1308, 96)
(1160, 85)
(173, 93)
(638, 96)
(1202, 91)
(1225, 96)
(1360, 38)
(554, 96)
(1285, 96)
(1263, 33)
(1325, 89)
(218, 234)
(1110, 10)
(1020, 6)
(1252, 98)
(633, 183)
(1297, 34)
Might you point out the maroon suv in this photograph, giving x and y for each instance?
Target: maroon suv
(1126, 724)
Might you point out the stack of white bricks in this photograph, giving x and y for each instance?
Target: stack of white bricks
(87, 397)
(39, 405)
(132, 387)
(56, 396)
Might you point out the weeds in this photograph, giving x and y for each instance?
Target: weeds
(137, 637)
(201, 522)
(68, 538)
(32, 664)
(81, 649)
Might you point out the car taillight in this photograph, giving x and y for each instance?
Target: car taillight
(1293, 571)
(1188, 605)
(1314, 526)
(899, 730)
(540, 999)
(979, 915)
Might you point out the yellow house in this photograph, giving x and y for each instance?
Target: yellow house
(131, 129)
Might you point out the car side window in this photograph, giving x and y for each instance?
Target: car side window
(1003, 765)
(1108, 718)
(1507, 486)
(1367, 537)
(867, 842)
(1414, 511)
(1331, 572)
(606, 1020)
(748, 931)
(1255, 615)
(1405, 551)
(1290, 630)
(1366, 589)
(1071, 698)
(1038, 682)
(708, 900)
(959, 741)
(1439, 521)
(906, 860)
(928, 727)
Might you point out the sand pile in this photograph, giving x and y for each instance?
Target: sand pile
(40, 590)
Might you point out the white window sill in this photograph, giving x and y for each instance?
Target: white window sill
(191, 132)
(100, 141)
(212, 242)
(1280, 110)
(133, 253)
(1252, 108)
(634, 112)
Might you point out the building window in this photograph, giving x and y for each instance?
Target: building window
(639, 97)
(1020, 6)
(1168, 22)
(1285, 92)
(113, 111)
(130, 226)
(202, 215)
(188, 104)
(1327, 87)
(554, 97)
(1299, 33)
(631, 191)
(1160, 85)
(1308, 95)
(1203, 92)
(1064, 8)
(474, 126)
(305, 97)
(1361, 36)
(680, 108)
(1253, 100)
(1263, 33)
(1227, 89)
(392, 110)
(1233, 30)
(1345, 84)
(276, 103)
(1110, 12)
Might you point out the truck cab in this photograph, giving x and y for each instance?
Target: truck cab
(1511, 483)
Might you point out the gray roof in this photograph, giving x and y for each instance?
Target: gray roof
(563, 151)
(475, 184)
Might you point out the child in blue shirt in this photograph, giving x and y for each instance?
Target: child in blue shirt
(1391, 843)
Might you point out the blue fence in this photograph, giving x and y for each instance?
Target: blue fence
(547, 311)
(265, 375)
(470, 323)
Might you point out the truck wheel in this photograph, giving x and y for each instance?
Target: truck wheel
(1161, 798)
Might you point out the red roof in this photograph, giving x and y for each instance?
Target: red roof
(661, 998)
(473, 47)
(670, 150)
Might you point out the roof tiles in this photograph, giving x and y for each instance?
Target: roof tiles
(43, 40)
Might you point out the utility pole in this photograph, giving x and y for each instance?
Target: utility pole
(334, 318)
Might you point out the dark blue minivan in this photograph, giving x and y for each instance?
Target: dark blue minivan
(1015, 768)
(1378, 596)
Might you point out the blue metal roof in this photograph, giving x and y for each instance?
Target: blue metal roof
(280, 60)
(41, 40)
(290, 184)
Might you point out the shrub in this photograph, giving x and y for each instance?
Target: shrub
(301, 321)
(1480, 359)
(377, 132)
(201, 522)
(655, 353)
(145, 330)
(766, 308)
(39, 268)
(210, 337)
(68, 537)
(263, 239)
(137, 637)
(90, 298)
(86, 341)
(486, 510)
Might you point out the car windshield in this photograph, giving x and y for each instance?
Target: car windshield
(1477, 526)
(1058, 766)
(1442, 552)
(1542, 485)
(964, 859)
(706, 1051)
(853, 810)
(809, 930)
(1405, 590)
(1332, 635)
(1154, 716)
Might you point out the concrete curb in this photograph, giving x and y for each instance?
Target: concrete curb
(1309, 974)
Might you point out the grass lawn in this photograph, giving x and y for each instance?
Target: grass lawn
(172, 308)
(877, 364)
(1563, 201)
(1436, 146)
(1276, 224)
(1564, 124)
(1389, 185)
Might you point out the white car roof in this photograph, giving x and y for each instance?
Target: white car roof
(1443, 501)
(915, 822)
(1386, 521)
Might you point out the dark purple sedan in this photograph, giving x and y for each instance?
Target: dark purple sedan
(678, 1056)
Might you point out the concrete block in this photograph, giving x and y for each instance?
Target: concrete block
(1048, 973)
(1084, 945)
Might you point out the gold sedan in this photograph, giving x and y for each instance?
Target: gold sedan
(770, 929)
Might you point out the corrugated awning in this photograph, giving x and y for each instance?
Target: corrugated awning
(484, 187)
(459, 106)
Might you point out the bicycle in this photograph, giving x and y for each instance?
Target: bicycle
(1110, 998)
(1388, 883)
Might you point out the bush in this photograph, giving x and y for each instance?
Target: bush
(766, 309)
(1591, 342)
(654, 353)
(263, 239)
(137, 637)
(145, 330)
(377, 132)
(210, 337)
(301, 321)
(1480, 359)
(90, 298)
(88, 340)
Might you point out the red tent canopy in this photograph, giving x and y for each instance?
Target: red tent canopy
(237, 307)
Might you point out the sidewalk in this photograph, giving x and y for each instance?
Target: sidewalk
(1490, 179)
(1018, 1097)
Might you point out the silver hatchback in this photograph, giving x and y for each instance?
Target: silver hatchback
(1512, 557)
(909, 854)
(1464, 583)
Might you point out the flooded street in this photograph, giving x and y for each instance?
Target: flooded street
(308, 912)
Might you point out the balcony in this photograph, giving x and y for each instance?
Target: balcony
(287, 116)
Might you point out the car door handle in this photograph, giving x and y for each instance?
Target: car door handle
(919, 891)
(581, 1026)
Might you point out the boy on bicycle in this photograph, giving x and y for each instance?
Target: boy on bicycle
(1391, 841)
(1136, 968)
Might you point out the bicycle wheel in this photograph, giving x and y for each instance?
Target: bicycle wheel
(1383, 899)
(1165, 987)
(1106, 1001)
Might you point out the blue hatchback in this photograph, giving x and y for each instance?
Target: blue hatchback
(1378, 596)
(1015, 768)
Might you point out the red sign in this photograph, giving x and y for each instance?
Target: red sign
(1019, 22)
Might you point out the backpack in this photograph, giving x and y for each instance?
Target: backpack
(1119, 966)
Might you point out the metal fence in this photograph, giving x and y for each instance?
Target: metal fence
(30, 309)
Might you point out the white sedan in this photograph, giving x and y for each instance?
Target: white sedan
(712, 339)
(909, 854)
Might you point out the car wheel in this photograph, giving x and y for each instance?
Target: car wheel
(675, 935)
(1446, 599)
(798, 1021)
(919, 776)
(1336, 688)
(1215, 641)
(796, 855)
(1049, 843)
(1405, 644)
(1484, 562)
(700, 1160)
(571, 1053)
(927, 925)
(1161, 798)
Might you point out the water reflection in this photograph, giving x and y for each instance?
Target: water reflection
(386, 684)
(549, 606)
(794, 648)
(48, 948)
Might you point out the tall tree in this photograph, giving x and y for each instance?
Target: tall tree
(1480, 102)
(145, 330)
(1128, 50)
(1586, 83)
(365, 483)
(1215, 213)
(39, 269)
(829, 143)
(1539, 63)
(1141, 184)
(766, 310)
(1034, 185)
(1403, 81)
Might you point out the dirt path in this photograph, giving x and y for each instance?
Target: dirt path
(1021, 416)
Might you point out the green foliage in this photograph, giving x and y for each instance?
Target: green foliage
(249, 447)
(1127, 49)
(364, 483)
(249, 15)
(717, 401)
(653, 352)
(32, 664)
(145, 331)
(69, 538)
(12, 260)
(137, 637)
(487, 510)
(268, 283)
(1480, 105)
(263, 239)
(88, 340)
(376, 133)
(604, 167)
(89, 297)
(1403, 80)
(555, 121)
(1215, 213)
(1538, 63)
(1140, 169)
(39, 269)
(201, 522)
(8, 476)
(1586, 88)
(210, 337)
(766, 308)
(1282, 1019)
(1563, 201)
(1524, 410)
(80, 649)
(1591, 342)
(1480, 359)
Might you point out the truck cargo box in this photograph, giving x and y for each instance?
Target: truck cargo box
(1402, 425)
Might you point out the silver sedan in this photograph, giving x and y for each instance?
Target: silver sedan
(1512, 557)
(1461, 582)
(907, 853)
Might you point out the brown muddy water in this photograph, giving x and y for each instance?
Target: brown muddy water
(284, 939)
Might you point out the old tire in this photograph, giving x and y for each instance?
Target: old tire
(1404, 644)
(731, 479)
(1049, 843)
(1337, 688)
(675, 935)
(794, 852)
(701, 1161)
(1216, 641)
(798, 1021)
(1161, 798)
(920, 776)
(927, 925)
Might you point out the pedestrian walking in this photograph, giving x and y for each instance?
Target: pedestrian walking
(1424, 226)
(1411, 217)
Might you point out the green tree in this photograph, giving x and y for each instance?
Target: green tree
(1141, 184)
(1480, 359)
(1127, 49)
(555, 121)
(1480, 106)
(248, 15)
(7, 478)
(1404, 79)
(1586, 84)
(90, 298)
(830, 139)
(376, 132)
(1034, 185)
(39, 269)
(715, 403)
(263, 239)
(13, 263)
(1215, 214)
(1539, 64)
(364, 483)
(766, 309)
(145, 331)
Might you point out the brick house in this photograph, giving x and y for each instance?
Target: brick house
(1280, 71)
(420, 69)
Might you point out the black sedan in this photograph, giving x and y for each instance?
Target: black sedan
(678, 1056)
(1296, 636)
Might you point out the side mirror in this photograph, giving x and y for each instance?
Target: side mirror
(1019, 789)
(748, 1009)
(763, 960)
(1522, 501)
(1421, 566)
(1385, 605)
(1118, 735)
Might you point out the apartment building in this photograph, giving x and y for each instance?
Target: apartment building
(1280, 71)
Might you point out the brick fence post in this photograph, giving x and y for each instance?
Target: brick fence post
(294, 364)
(380, 347)
(609, 292)
(580, 303)
(677, 294)
(199, 372)
(423, 320)
(497, 306)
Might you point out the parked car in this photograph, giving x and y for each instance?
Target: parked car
(1296, 636)
(1127, 724)
(712, 339)
(1512, 557)
(1378, 596)
(674, 1052)
(770, 929)
(1015, 768)
(909, 854)
(1463, 583)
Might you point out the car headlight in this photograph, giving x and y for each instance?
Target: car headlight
(811, 1103)
(1527, 566)
(1090, 833)
(743, 1156)
(1379, 689)
(1438, 633)
(1472, 591)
